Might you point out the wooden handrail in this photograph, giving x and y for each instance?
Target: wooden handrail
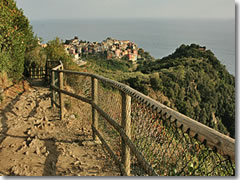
(224, 144)
(133, 148)
(146, 166)
(71, 94)
(57, 67)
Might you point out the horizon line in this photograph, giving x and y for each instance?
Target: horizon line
(134, 18)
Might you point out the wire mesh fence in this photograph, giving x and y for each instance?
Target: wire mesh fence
(170, 150)
(79, 85)
(110, 102)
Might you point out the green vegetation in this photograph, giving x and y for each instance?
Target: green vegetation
(144, 55)
(197, 84)
(19, 48)
(35, 58)
(55, 51)
(191, 80)
(111, 64)
(139, 83)
(16, 38)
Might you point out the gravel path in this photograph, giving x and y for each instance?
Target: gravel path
(34, 142)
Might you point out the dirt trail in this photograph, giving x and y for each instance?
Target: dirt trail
(34, 142)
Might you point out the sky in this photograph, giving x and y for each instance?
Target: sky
(76, 9)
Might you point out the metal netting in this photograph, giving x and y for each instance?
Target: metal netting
(77, 84)
(76, 112)
(170, 150)
(166, 146)
(110, 102)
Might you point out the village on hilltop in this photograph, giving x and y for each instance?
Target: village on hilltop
(109, 48)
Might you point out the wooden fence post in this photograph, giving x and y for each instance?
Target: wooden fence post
(39, 72)
(33, 73)
(126, 124)
(61, 100)
(53, 92)
(46, 73)
(30, 72)
(94, 111)
(42, 73)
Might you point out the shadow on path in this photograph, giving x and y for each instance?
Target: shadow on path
(8, 109)
(51, 160)
(53, 140)
(37, 82)
(34, 109)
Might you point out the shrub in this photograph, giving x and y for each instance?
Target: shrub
(156, 83)
(16, 37)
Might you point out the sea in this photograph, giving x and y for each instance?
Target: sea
(160, 37)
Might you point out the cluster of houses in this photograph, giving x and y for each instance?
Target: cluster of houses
(109, 48)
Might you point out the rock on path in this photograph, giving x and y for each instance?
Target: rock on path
(34, 142)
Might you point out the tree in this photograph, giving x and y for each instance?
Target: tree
(197, 84)
(35, 57)
(156, 83)
(16, 37)
(138, 84)
(55, 51)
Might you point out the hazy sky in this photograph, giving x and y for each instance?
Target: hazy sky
(68, 9)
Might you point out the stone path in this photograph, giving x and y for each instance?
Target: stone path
(34, 142)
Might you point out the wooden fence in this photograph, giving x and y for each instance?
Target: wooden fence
(37, 73)
(49, 66)
(43, 72)
(223, 144)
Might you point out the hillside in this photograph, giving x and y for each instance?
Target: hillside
(197, 84)
(191, 80)
(36, 141)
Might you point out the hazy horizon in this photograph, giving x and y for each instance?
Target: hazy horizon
(85, 19)
(135, 18)
(72, 9)
(159, 37)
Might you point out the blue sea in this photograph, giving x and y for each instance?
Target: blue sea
(160, 37)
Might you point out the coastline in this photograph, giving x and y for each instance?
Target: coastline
(159, 37)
